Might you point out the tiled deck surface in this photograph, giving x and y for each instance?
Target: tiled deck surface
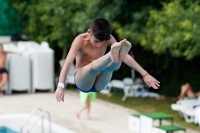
(106, 117)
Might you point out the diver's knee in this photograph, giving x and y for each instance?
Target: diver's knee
(93, 68)
(114, 66)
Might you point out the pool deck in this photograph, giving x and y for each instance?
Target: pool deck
(106, 117)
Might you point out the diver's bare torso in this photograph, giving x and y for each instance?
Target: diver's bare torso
(87, 53)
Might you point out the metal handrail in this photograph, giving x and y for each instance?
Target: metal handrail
(36, 120)
(39, 116)
(28, 118)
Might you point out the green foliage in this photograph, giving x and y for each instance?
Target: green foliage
(176, 28)
(179, 72)
(58, 22)
(159, 32)
(9, 21)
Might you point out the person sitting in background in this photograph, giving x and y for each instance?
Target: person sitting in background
(3, 70)
(187, 92)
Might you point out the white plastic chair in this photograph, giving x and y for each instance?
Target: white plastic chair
(19, 73)
(126, 85)
(197, 115)
(185, 109)
(135, 90)
(117, 84)
(106, 89)
(128, 91)
(42, 60)
(18, 66)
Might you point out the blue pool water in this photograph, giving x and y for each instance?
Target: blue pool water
(4, 129)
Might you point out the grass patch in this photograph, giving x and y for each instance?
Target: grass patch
(146, 105)
(149, 105)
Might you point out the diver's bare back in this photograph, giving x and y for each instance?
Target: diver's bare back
(87, 53)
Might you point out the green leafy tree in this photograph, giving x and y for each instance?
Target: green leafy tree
(157, 31)
(58, 22)
(9, 22)
(174, 29)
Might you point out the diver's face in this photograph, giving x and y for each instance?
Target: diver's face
(95, 42)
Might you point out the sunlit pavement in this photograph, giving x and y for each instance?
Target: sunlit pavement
(106, 117)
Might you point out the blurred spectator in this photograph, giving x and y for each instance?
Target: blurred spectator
(86, 98)
(187, 92)
(139, 81)
(3, 70)
(19, 38)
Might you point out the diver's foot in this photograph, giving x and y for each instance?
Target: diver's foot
(124, 49)
(115, 51)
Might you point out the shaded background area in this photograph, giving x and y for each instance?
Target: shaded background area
(164, 33)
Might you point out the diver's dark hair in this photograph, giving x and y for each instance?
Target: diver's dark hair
(101, 29)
